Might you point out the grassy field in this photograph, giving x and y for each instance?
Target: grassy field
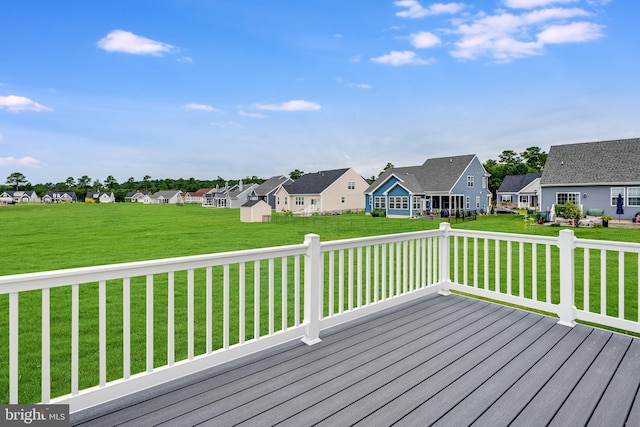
(49, 237)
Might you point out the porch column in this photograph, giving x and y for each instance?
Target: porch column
(567, 308)
(444, 261)
(312, 294)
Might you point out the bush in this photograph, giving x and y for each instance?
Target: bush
(378, 213)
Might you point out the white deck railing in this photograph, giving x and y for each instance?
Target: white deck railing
(103, 332)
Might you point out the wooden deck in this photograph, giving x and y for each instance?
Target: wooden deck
(438, 361)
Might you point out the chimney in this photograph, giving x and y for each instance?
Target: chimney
(240, 185)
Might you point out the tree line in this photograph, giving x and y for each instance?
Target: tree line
(84, 184)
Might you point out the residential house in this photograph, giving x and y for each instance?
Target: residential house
(520, 191)
(100, 197)
(165, 197)
(458, 182)
(330, 191)
(267, 190)
(233, 196)
(592, 175)
(196, 196)
(60, 197)
(19, 196)
(136, 196)
(255, 211)
(239, 195)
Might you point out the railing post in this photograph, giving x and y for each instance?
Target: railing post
(312, 283)
(444, 257)
(566, 308)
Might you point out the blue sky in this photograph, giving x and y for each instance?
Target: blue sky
(186, 88)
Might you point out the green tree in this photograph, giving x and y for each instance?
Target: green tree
(146, 180)
(295, 174)
(17, 179)
(535, 158)
(84, 182)
(110, 182)
(70, 182)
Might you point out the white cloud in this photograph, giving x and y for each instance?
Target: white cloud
(127, 42)
(252, 115)
(338, 36)
(575, 32)
(543, 15)
(15, 103)
(396, 58)
(294, 105)
(424, 39)
(415, 10)
(353, 85)
(185, 60)
(28, 162)
(531, 4)
(200, 107)
(507, 36)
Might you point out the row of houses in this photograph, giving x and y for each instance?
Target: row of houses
(591, 175)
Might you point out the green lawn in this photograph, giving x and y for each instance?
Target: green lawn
(49, 237)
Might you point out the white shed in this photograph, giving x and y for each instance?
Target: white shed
(255, 211)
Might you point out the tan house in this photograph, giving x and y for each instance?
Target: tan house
(255, 211)
(332, 191)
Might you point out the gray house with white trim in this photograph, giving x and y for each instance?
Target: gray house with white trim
(592, 174)
(519, 191)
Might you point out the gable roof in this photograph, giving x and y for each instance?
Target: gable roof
(314, 183)
(437, 175)
(271, 184)
(201, 192)
(593, 163)
(165, 194)
(515, 183)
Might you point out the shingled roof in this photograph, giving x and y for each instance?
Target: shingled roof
(515, 183)
(593, 163)
(269, 185)
(314, 183)
(433, 176)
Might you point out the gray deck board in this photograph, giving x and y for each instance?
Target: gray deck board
(439, 360)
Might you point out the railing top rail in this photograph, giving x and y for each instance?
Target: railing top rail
(50, 279)
(373, 240)
(608, 245)
(492, 235)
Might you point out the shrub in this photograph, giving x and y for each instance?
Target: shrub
(378, 213)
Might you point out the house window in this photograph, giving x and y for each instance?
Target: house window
(614, 195)
(342, 199)
(380, 202)
(633, 196)
(417, 203)
(468, 202)
(562, 198)
(477, 202)
(278, 200)
(399, 202)
(505, 198)
(351, 185)
(484, 182)
(524, 199)
(299, 200)
(470, 181)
